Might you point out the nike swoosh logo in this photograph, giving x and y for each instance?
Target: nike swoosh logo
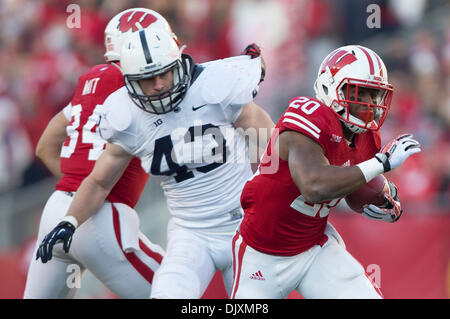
(198, 107)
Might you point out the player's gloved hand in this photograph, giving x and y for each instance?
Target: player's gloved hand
(63, 232)
(390, 212)
(397, 151)
(254, 51)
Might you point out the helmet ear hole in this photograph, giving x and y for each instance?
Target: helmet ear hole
(325, 89)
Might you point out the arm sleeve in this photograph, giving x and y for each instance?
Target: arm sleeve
(248, 76)
(116, 126)
(312, 125)
(232, 83)
(67, 111)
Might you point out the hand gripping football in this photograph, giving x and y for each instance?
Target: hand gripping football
(370, 193)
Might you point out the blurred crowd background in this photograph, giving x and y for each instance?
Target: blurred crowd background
(41, 58)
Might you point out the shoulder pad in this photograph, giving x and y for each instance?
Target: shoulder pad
(311, 117)
(112, 69)
(98, 83)
(116, 122)
(223, 80)
(117, 111)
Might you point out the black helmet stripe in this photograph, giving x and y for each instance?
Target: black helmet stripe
(147, 55)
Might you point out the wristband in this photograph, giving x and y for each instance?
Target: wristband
(383, 159)
(70, 219)
(371, 168)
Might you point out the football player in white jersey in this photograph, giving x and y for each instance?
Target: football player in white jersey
(182, 120)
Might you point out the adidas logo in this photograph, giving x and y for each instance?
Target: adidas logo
(257, 276)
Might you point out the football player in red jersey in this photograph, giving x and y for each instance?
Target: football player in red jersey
(110, 244)
(325, 148)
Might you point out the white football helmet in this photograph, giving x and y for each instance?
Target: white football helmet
(146, 54)
(128, 21)
(354, 66)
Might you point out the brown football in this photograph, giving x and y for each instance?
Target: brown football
(370, 193)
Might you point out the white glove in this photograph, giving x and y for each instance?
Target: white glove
(390, 212)
(397, 151)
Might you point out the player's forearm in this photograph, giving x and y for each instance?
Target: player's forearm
(51, 159)
(265, 129)
(330, 182)
(88, 199)
(257, 124)
(54, 166)
(265, 125)
(93, 191)
(49, 145)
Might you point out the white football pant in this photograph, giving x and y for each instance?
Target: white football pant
(192, 258)
(109, 244)
(322, 272)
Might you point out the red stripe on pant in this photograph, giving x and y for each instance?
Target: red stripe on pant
(138, 264)
(241, 252)
(232, 247)
(152, 254)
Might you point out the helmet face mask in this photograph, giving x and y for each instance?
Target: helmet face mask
(162, 102)
(359, 113)
(361, 70)
(152, 53)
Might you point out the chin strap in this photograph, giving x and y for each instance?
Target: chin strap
(188, 64)
(343, 112)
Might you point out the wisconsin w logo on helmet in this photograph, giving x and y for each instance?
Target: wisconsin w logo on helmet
(131, 19)
(337, 61)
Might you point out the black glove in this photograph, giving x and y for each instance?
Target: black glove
(62, 232)
(254, 51)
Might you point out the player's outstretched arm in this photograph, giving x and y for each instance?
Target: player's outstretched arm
(88, 199)
(95, 188)
(255, 118)
(49, 145)
(254, 51)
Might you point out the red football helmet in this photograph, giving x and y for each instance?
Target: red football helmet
(356, 67)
